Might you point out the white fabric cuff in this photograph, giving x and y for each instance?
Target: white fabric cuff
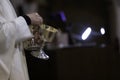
(22, 29)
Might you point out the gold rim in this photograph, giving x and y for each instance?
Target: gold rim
(49, 28)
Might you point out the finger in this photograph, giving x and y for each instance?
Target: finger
(36, 14)
(41, 19)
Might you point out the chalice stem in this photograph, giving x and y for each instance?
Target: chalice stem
(42, 45)
(42, 54)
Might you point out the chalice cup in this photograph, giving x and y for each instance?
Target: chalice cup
(47, 34)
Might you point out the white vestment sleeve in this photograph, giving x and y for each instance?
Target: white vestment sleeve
(7, 35)
(16, 30)
(23, 31)
(12, 29)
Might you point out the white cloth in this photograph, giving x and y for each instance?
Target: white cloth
(13, 30)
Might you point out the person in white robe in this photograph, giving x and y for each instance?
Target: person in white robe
(13, 31)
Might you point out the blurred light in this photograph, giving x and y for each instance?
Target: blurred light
(86, 33)
(63, 17)
(102, 30)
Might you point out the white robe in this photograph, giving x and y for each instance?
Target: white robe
(13, 30)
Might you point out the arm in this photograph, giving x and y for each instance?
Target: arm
(13, 31)
(16, 30)
(22, 28)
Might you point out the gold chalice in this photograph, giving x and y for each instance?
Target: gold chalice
(46, 34)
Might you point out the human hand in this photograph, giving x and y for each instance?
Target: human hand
(36, 19)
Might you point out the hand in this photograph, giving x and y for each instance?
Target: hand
(36, 19)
